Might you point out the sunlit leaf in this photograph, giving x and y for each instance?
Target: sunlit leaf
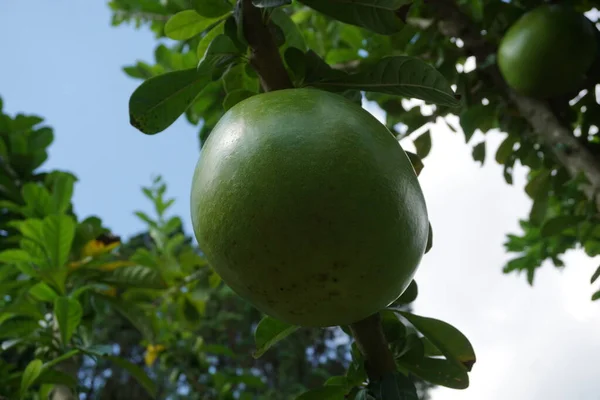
(31, 373)
(187, 24)
(68, 314)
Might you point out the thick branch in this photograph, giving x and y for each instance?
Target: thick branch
(371, 342)
(265, 58)
(548, 129)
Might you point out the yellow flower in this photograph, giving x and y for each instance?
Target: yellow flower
(96, 247)
(152, 352)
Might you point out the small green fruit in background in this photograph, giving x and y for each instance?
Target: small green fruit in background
(547, 52)
(307, 207)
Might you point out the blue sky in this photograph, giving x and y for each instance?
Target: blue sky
(62, 60)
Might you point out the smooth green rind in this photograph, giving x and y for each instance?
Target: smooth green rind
(307, 206)
(547, 52)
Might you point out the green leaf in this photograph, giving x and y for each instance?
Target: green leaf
(423, 144)
(324, 393)
(159, 101)
(42, 292)
(293, 35)
(18, 327)
(62, 358)
(416, 162)
(400, 75)
(136, 316)
(476, 117)
(596, 296)
(479, 152)
(393, 328)
(31, 373)
(429, 239)
(268, 332)
(378, 16)
(396, 386)
(68, 314)
(208, 38)
(235, 97)
(62, 192)
(221, 53)
(438, 371)
(59, 232)
(539, 208)
(595, 276)
(270, 3)
(38, 200)
(505, 149)
(187, 24)
(557, 225)
(451, 342)
(136, 372)
(13, 256)
(212, 8)
(135, 276)
(52, 376)
(409, 295)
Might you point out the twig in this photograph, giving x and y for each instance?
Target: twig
(548, 129)
(264, 58)
(371, 342)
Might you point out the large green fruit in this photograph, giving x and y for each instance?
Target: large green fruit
(308, 208)
(547, 52)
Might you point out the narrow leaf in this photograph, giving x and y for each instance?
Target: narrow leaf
(451, 342)
(133, 313)
(42, 292)
(221, 52)
(379, 16)
(596, 275)
(596, 296)
(268, 332)
(557, 225)
(68, 314)
(396, 386)
(438, 371)
(160, 100)
(136, 372)
(187, 24)
(331, 392)
(423, 144)
(479, 152)
(59, 231)
(31, 373)
(62, 358)
(208, 38)
(270, 3)
(399, 75)
(136, 276)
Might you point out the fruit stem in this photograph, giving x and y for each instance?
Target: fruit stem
(370, 339)
(264, 57)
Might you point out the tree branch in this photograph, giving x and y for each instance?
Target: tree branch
(548, 129)
(371, 342)
(267, 62)
(265, 58)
